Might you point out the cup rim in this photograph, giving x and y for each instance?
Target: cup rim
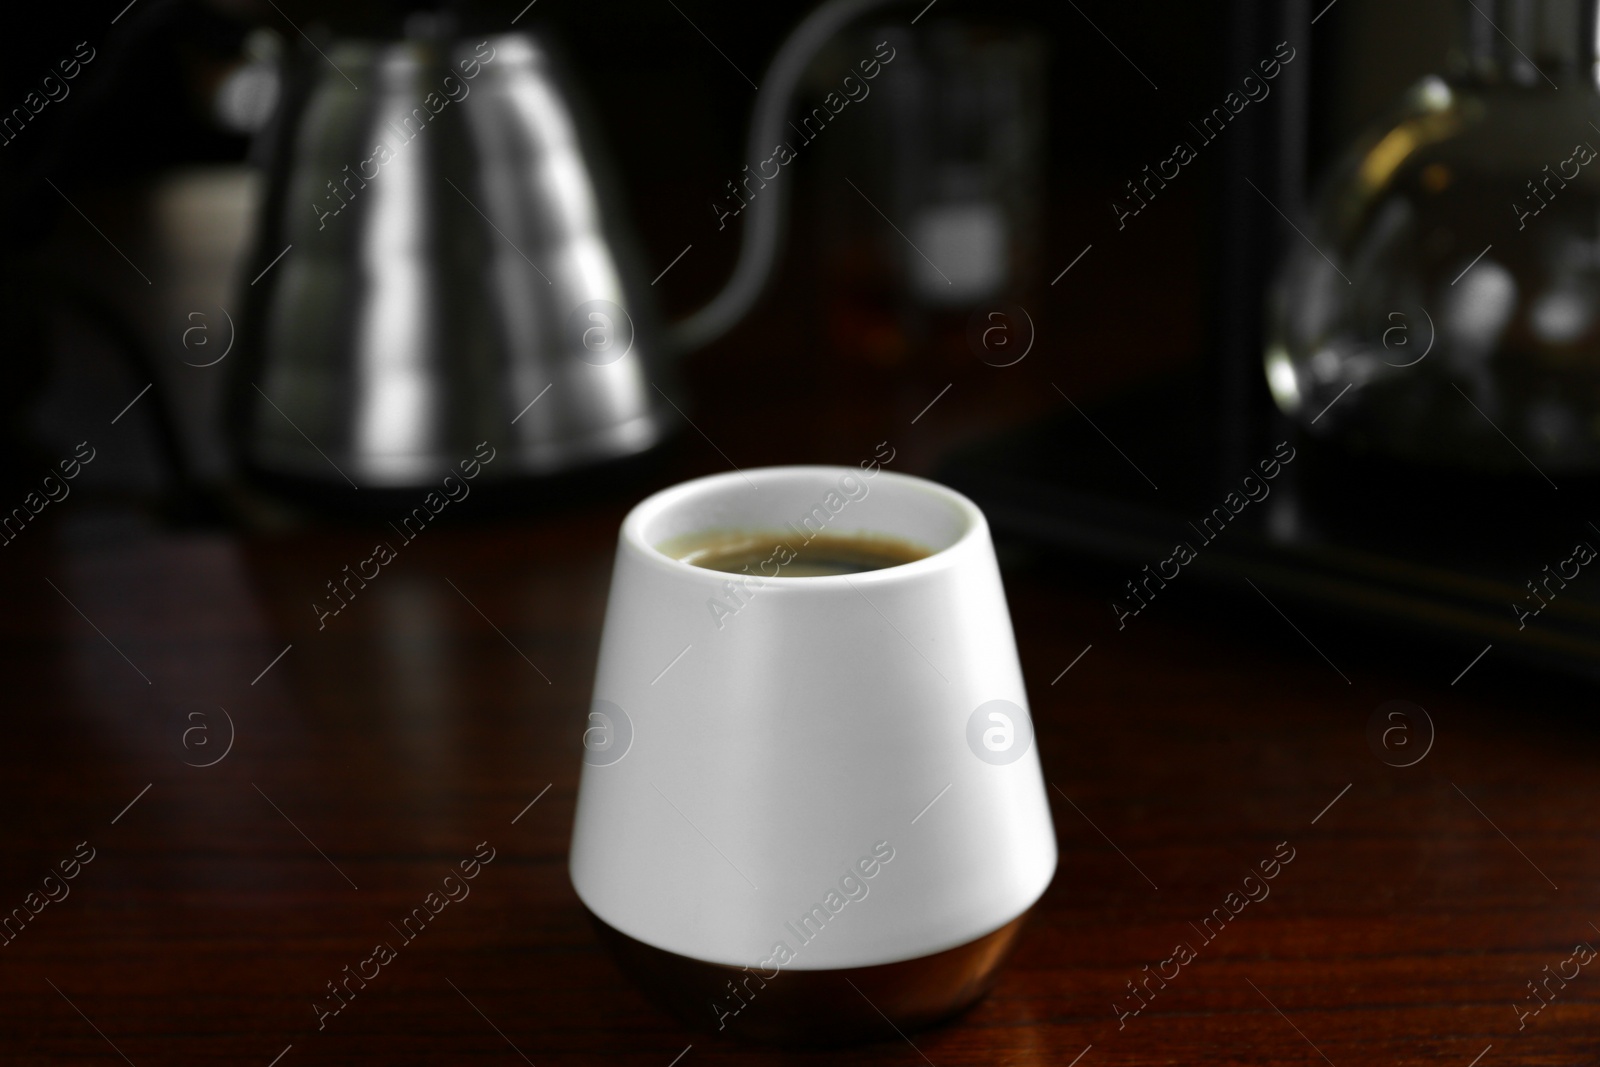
(642, 513)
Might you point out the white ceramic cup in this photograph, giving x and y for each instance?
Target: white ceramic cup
(745, 764)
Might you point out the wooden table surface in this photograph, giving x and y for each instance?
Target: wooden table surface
(443, 708)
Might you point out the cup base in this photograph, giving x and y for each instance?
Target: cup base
(817, 1007)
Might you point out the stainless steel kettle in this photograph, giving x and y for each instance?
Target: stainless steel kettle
(440, 263)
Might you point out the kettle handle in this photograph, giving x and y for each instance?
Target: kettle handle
(765, 219)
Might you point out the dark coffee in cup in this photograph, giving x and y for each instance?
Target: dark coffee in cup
(775, 554)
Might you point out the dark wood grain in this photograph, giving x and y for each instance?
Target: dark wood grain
(1180, 752)
(409, 730)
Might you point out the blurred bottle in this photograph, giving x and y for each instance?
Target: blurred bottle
(1448, 290)
(931, 195)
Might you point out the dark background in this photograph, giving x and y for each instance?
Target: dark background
(674, 114)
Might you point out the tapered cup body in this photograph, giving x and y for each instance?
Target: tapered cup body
(809, 774)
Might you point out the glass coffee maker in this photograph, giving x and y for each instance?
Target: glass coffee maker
(1446, 299)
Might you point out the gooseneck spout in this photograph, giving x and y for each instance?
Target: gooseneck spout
(765, 218)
